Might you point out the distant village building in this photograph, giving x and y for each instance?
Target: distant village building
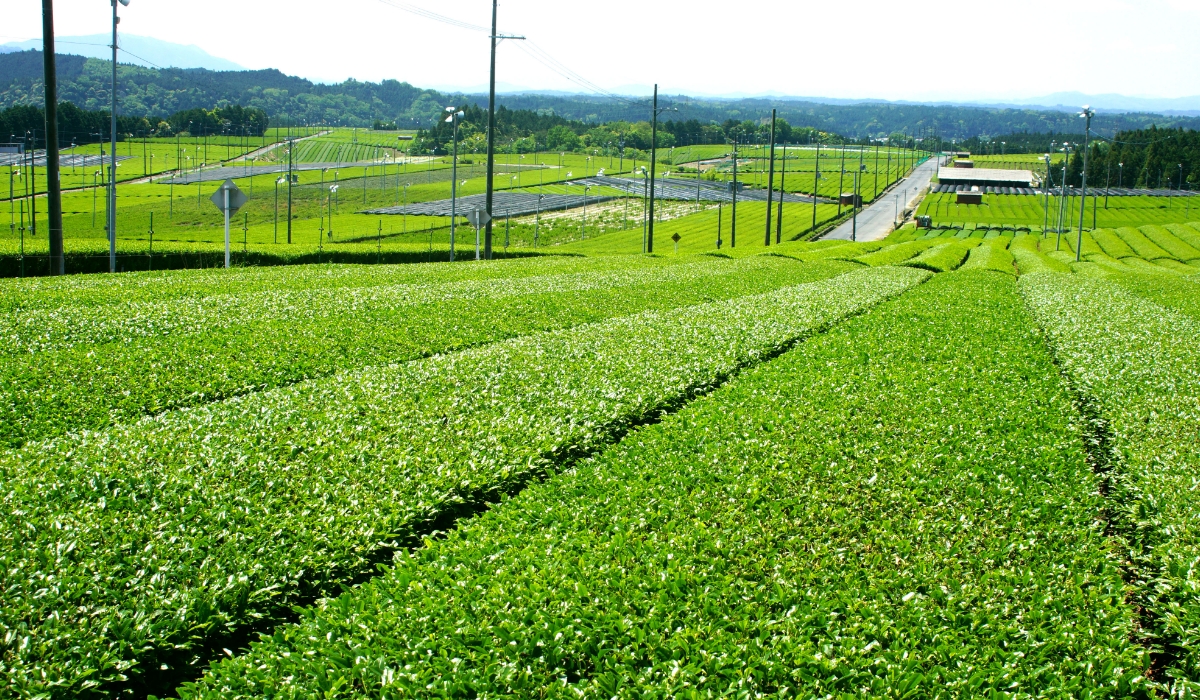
(966, 178)
(974, 196)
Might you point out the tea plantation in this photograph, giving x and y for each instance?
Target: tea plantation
(956, 462)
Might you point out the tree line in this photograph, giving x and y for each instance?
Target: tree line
(527, 131)
(292, 100)
(27, 124)
(1144, 158)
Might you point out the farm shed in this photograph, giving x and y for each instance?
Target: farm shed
(985, 177)
(974, 196)
(964, 164)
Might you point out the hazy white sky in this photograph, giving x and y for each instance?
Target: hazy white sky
(892, 49)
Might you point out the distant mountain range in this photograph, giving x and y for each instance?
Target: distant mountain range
(135, 50)
(154, 53)
(190, 78)
(1074, 101)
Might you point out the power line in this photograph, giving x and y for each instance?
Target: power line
(542, 56)
(427, 14)
(534, 51)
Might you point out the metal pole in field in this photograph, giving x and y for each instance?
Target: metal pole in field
(53, 186)
(1087, 115)
(770, 182)
(858, 175)
(491, 144)
(491, 137)
(289, 184)
(112, 175)
(816, 184)
(875, 190)
(719, 212)
(1107, 186)
(277, 210)
(1046, 194)
(645, 204)
(842, 180)
(453, 119)
(888, 179)
(733, 214)
(653, 158)
(782, 192)
(226, 189)
(854, 210)
(1062, 202)
(537, 222)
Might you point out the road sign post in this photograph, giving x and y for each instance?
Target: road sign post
(478, 218)
(228, 199)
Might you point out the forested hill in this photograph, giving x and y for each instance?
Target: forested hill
(145, 91)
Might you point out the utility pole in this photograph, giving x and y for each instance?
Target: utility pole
(112, 172)
(53, 186)
(491, 138)
(770, 182)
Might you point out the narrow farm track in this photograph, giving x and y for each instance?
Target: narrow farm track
(898, 508)
(204, 523)
(877, 220)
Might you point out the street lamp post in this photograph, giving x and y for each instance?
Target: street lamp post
(333, 190)
(1062, 199)
(453, 119)
(1046, 195)
(770, 182)
(1087, 115)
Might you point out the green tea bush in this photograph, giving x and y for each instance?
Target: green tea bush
(899, 508)
(133, 552)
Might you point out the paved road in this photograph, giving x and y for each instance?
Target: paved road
(875, 222)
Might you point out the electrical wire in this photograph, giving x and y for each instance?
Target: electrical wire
(531, 49)
(542, 56)
(427, 14)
